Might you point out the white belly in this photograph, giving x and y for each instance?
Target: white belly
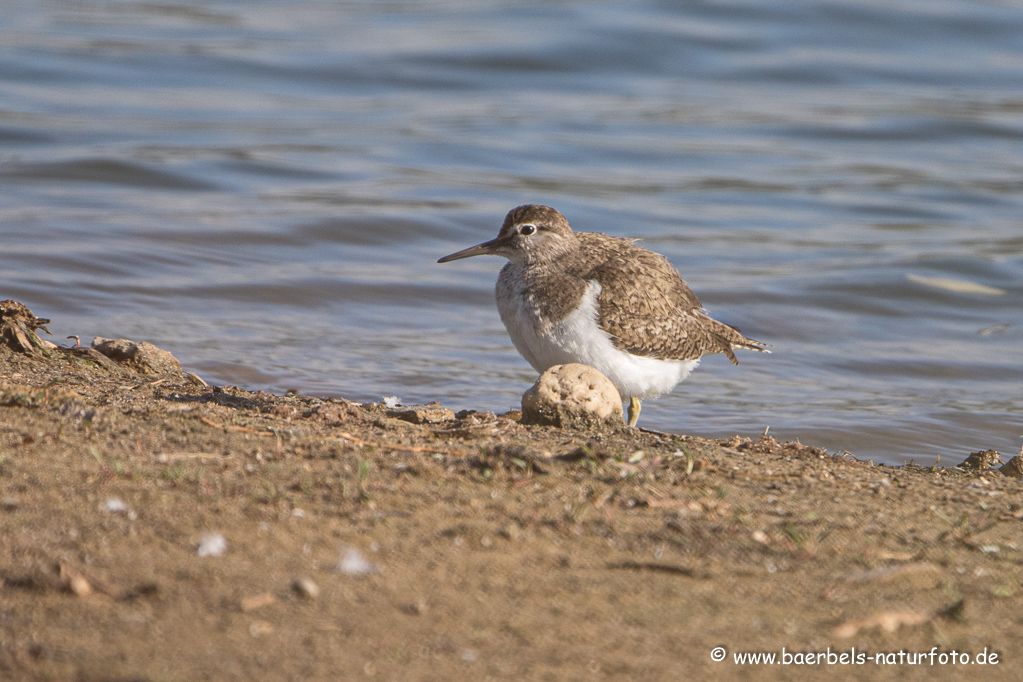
(578, 338)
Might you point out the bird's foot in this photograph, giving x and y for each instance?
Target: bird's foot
(633, 411)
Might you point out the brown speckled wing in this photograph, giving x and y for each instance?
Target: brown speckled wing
(650, 311)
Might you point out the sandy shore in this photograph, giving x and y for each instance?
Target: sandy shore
(154, 528)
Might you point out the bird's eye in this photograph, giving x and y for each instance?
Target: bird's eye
(527, 230)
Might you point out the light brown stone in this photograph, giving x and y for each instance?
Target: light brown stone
(141, 357)
(572, 395)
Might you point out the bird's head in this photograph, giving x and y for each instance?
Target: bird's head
(531, 234)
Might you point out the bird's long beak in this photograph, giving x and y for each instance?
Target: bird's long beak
(490, 248)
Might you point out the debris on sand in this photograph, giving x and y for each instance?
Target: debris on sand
(982, 460)
(18, 328)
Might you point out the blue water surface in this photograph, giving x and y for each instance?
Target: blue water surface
(264, 189)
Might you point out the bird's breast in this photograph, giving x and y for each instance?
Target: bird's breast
(578, 337)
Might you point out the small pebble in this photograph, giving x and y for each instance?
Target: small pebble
(257, 601)
(306, 588)
(79, 586)
(416, 608)
(116, 505)
(353, 563)
(260, 628)
(213, 544)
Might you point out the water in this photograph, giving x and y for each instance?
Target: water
(263, 188)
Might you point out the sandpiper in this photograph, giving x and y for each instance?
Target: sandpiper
(602, 301)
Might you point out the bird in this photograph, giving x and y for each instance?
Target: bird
(603, 301)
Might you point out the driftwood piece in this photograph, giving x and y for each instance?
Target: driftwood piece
(18, 327)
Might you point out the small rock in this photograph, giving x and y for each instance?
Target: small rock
(1014, 467)
(474, 417)
(116, 505)
(416, 608)
(572, 395)
(79, 586)
(213, 544)
(353, 563)
(423, 414)
(144, 357)
(257, 601)
(75, 582)
(305, 588)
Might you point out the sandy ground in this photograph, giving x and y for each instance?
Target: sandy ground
(153, 528)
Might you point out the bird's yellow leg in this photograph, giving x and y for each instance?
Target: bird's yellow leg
(633, 410)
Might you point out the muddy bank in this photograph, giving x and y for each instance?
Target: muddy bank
(156, 528)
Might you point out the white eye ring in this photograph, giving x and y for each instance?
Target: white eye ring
(527, 230)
